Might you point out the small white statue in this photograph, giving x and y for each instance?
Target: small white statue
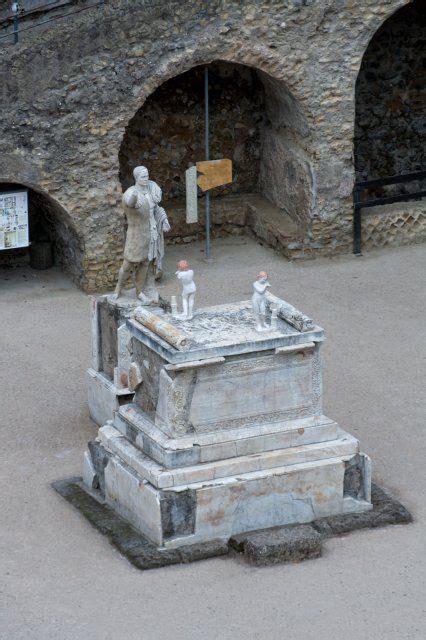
(186, 275)
(259, 300)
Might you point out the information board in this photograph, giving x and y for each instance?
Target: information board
(14, 220)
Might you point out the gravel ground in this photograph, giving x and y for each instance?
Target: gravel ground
(60, 579)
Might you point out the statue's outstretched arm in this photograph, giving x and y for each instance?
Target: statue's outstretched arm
(130, 197)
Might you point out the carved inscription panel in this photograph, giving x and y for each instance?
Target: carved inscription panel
(251, 391)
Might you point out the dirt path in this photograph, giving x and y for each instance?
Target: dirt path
(61, 580)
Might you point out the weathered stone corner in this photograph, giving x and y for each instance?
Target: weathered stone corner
(140, 551)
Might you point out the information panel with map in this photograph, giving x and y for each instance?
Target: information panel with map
(14, 220)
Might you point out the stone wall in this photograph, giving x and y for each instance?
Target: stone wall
(167, 133)
(390, 125)
(75, 90)
(286, 167)
(28, 8)
(394, 225)
(254, 120)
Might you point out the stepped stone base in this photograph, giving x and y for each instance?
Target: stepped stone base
(269, 546)
(225, 435)
(221, 498)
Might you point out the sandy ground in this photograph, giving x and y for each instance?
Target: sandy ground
(61, 580)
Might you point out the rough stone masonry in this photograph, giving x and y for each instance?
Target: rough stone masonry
(70, 94)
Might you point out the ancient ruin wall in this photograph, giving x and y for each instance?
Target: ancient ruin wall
(76, 87)
(390, 126)
(167, 133)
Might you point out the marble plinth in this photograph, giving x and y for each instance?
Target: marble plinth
(225, 434)
(107, 378)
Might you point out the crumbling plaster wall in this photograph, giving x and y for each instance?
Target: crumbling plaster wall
(286, 173)
(75, 88)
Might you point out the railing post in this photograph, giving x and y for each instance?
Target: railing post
(15, 28)
(357, 222)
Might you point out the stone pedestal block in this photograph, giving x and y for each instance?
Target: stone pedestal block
(107, 378)
(226, 433)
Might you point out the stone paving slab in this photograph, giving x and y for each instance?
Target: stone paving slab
(283, 544)
(264, 547)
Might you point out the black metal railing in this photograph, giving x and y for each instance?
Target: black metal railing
(37, 15)
(373, 202)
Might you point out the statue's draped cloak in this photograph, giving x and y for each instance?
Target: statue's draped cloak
(138, 226)
(145, 225)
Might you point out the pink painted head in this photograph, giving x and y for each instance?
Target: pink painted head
(183, 265)
(262, 275)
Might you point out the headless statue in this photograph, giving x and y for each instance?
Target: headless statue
(144, 248)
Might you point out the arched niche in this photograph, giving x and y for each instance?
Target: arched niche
(254, 120)
(391, 96)
(48, 221)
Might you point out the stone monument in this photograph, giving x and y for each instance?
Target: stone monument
(225, 432)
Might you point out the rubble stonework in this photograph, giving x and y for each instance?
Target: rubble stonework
(391, 98)
(68, 95)
(166, 133)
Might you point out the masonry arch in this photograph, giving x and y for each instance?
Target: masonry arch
(390, 126)
(390, 96)
(48, 222)
(255, 120)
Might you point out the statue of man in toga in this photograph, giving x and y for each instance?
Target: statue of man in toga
(144, 248)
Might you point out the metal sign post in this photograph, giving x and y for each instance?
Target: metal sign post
(207, 153)
(212, 173)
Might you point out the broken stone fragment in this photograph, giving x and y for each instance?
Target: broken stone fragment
(284, 544)
(135, 377)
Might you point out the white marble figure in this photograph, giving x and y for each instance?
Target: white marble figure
(173, 304)
(259, 301)
(274, 317)
(144, 248)
(186, 275)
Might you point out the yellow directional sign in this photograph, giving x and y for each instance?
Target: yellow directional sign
(214, 173)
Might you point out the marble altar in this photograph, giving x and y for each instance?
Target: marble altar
(224, 432)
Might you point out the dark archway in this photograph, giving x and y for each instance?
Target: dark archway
(390, 122)
(255, 121)
(48, 222)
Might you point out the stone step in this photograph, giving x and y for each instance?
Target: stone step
(131, 421)
(236, 213)
(160, 477)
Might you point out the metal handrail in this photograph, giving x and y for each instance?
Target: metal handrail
(17, 31)
(23, 13)
(381, 182)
